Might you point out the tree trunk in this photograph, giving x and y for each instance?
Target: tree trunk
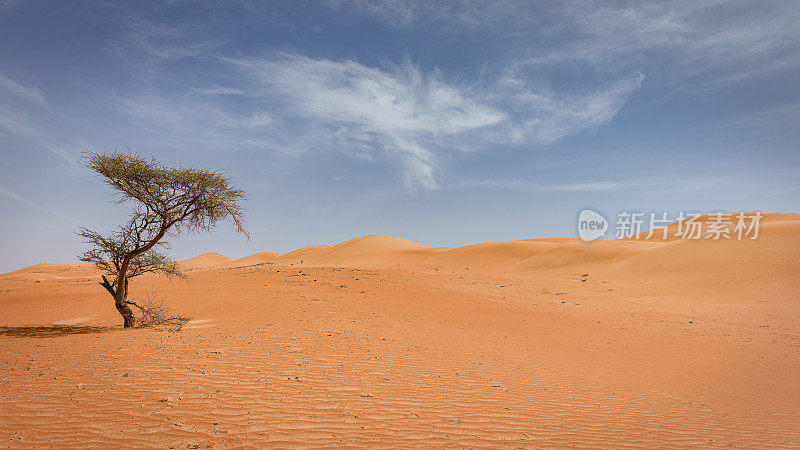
(120, 301)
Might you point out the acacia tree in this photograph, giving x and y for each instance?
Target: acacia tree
(163, 201)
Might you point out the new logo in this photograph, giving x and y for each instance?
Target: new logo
(591, 225)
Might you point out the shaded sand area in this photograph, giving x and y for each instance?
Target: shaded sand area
(385, 342)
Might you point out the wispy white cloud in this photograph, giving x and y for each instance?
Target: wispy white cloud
(560, 70)
(28, 93)
(297, 103)
(7, 5)
(716, 42)
(652, 184)
(399, 110)
(544, 115)
(782, 116)
(145, 45)
(19, 199)
(415, 116)
(526, 186)
(218, 90)
(409, 14)
(20, 113)
(195, 122)
(14, 122)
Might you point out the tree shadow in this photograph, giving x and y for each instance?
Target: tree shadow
(52, 331)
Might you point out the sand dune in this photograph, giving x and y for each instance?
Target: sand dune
(729, 258)
(385, 342)
(489, 256)
(298, 255)
(638, 254)
(775, 252)
(257, 258)
(366, 251)
(767, 219)
(205, 261)
(51, 271)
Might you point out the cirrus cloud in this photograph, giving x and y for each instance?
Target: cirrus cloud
(417, 117)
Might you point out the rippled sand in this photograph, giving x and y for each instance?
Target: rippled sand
(429, 355)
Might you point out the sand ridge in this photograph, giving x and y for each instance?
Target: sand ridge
(205, 261)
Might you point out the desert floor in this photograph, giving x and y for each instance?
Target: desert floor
(383, 342)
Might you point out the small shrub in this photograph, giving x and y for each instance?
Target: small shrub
(153, 312)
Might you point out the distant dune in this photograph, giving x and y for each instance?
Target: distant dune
(205, 261)
(728, 259)
(51, 271)
(724, 259)
(367, 251)
(776, 251)
(257, 258)
(299, 254)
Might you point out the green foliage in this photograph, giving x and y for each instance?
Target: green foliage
(188, 199)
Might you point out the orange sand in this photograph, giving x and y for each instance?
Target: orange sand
(385, 342)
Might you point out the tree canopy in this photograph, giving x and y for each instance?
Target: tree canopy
(164, 201)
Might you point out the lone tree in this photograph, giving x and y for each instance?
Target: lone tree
(164, 201)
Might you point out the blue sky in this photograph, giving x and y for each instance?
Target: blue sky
(447, 123)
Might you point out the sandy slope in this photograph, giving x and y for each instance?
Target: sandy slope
(205, 261)
(258, 258)
(381, 341)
